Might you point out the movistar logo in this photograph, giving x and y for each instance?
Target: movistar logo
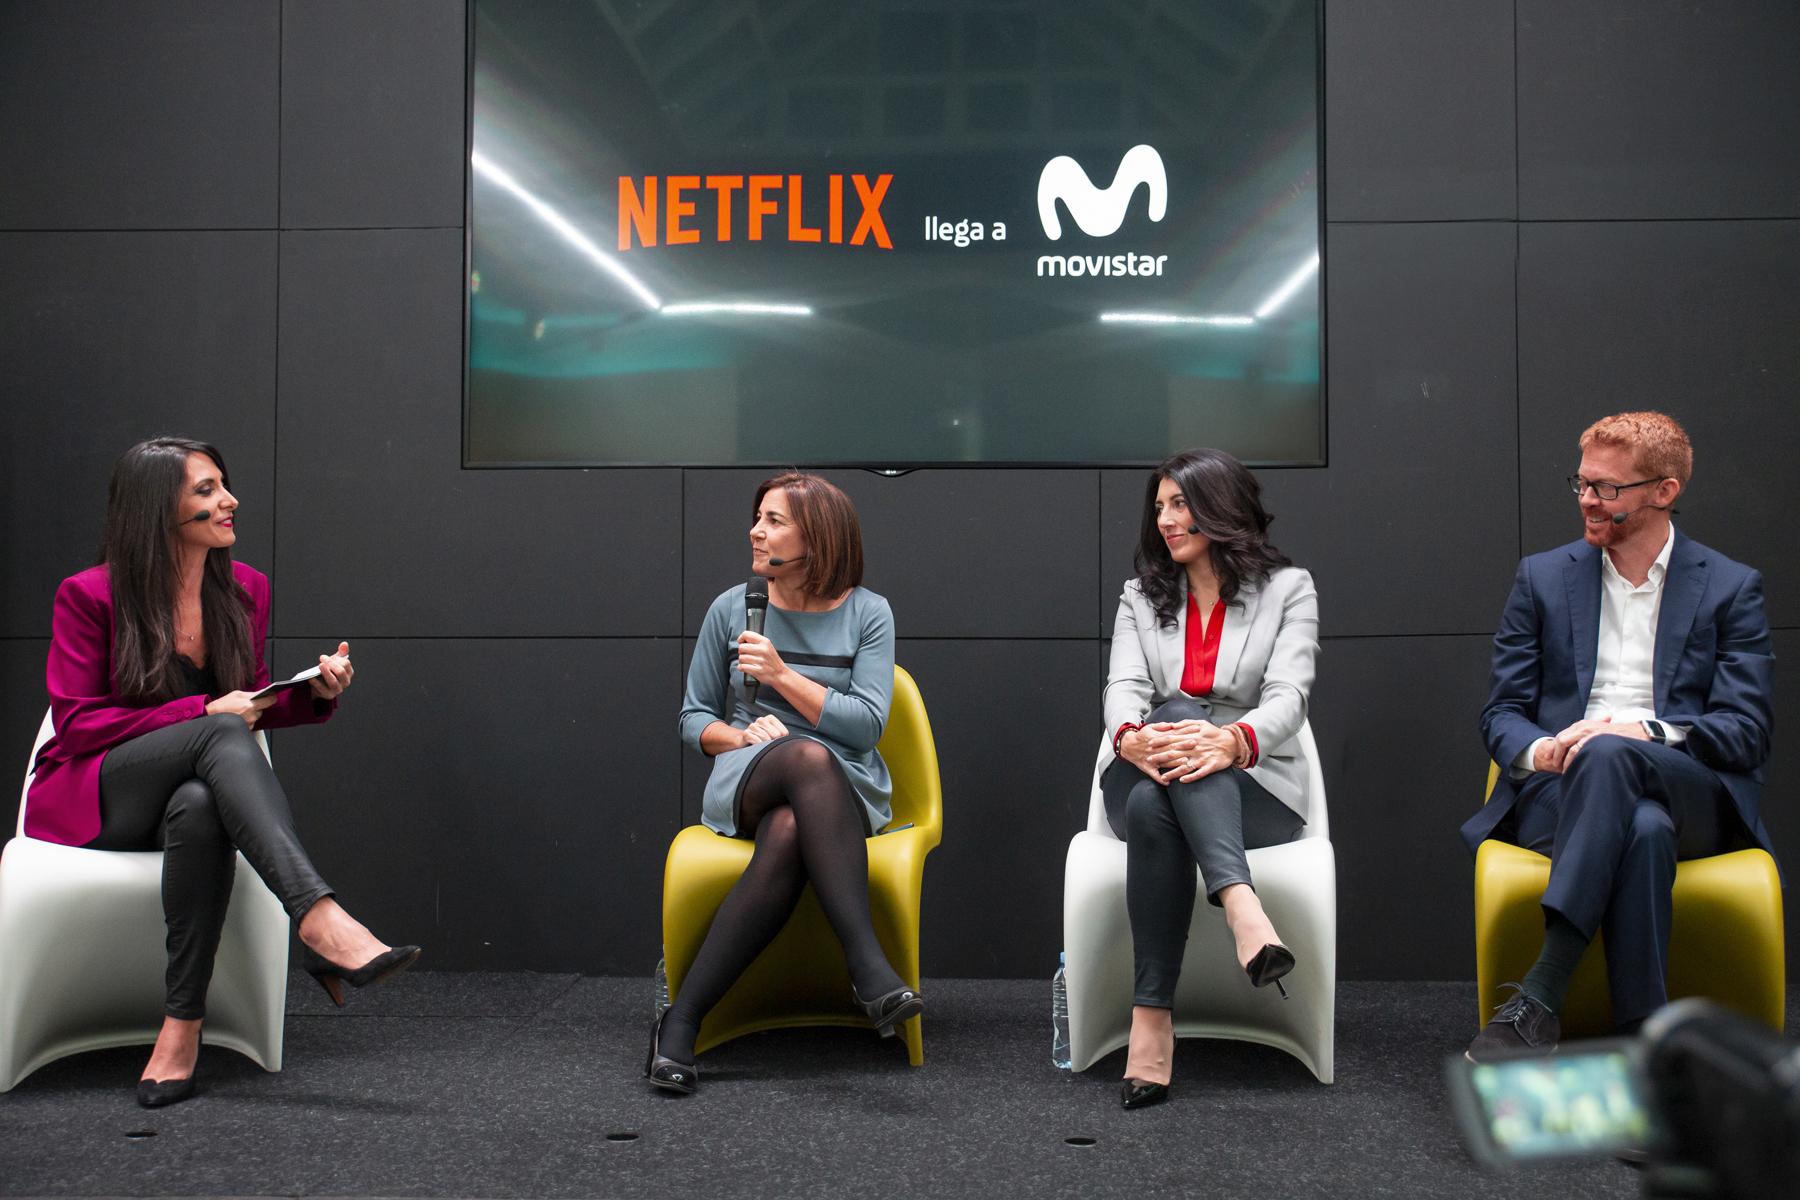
(1100, 211)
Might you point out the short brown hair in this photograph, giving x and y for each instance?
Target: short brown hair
(1657, 441)
(827, 520)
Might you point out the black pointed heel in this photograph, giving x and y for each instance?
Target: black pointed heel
(888, 1010)
(1271, 963)
(332, 977)
(158, 1093)
(666, 1073)
(1133, 1094)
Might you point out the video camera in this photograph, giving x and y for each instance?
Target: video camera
(1708, 1100)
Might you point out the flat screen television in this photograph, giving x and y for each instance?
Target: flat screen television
(884, 234)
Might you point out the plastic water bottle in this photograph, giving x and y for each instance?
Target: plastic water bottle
(1059, 1017)
(662, 987)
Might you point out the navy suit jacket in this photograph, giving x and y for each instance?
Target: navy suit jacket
(1713, 667)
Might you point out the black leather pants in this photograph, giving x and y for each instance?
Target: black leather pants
(200, 791)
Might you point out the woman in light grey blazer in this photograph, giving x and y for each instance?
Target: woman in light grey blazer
(1212, 662)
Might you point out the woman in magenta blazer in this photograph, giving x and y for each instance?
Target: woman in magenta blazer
(155, 659)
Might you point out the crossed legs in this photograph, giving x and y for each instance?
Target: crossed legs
(808, 826)
(1169, 830)
(1614, 825)
(200, 791)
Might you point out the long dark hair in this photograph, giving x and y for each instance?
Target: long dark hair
(1225, 501)
(140, 548)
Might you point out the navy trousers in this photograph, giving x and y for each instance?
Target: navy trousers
(1614, 825)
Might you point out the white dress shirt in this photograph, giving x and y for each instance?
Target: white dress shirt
(1625, 664)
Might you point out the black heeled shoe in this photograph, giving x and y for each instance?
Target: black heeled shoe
(1271, 963)
(158, 1093)
(889, 1009)
(332, 977)
(666, 1073)
(1142, 1095)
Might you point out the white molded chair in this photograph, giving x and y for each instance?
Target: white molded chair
(82, 954)
(1297, 884)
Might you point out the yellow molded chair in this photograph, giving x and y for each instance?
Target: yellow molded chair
(801, 977)
(1726, 943)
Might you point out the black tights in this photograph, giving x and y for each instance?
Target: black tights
(809, 826)
(200, 791)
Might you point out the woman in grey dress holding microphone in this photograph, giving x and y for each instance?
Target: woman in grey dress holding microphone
(1212, 665)
(791, 726)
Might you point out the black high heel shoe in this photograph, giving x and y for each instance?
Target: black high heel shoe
(666, 1073)
(1271, 963)
(1133, 1094)
(332, 977)
(157, 1093)
(886, 1011)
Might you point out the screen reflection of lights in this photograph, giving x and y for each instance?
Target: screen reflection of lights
(555, 220)
(1155, 318)
(771, 310)
(1291, 285)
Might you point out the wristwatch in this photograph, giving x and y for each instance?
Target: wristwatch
(1657, 733)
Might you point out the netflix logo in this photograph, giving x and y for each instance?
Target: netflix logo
(678, 210)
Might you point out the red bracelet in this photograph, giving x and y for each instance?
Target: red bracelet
(1124, 728)
(1250, 736)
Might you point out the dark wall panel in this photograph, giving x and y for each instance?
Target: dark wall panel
(1634, 110)
(385, 533)
(1412, 527)
(371, 113)
(1397, 723)
(1419, 110)
(957, 553)
(503, 783)
(152, 116)
(1694, 318)
(503, 827)
(1016, 725)
(111, 338)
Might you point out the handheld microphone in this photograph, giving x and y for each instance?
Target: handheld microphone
(782, 562)
(756, 611)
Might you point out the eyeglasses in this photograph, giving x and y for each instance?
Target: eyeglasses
(1605, 491)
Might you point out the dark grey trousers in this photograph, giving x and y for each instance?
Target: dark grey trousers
(200, 791)
(1167, 830)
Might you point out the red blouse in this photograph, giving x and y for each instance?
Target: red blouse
(1202, 658)
(1200, 662)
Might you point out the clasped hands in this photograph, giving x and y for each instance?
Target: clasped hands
(335, 674)
(1555, 754)
(1170, 751)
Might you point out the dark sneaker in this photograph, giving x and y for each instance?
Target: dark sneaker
(1521, 1026)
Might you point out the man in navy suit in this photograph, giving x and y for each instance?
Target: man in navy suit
(1630, 713)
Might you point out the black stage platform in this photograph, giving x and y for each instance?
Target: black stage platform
(491, 1085)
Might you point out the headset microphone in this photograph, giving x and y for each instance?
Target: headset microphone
(756, 611)
(1193, 529)
(201, 517)
(1621, 518)
(782, 562)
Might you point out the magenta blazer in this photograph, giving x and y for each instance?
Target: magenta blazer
(89, 718)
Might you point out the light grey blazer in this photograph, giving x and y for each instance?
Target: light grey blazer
(1264, 675)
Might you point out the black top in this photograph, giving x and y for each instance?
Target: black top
(195, 681)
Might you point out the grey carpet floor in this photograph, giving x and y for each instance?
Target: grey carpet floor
(500, 1085)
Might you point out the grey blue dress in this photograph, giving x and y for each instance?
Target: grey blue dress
(849, 650)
